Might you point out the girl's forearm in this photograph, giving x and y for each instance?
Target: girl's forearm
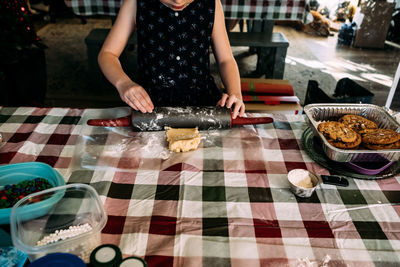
(230, 77)
(112, 69)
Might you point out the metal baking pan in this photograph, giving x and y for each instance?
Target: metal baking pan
(317, 113)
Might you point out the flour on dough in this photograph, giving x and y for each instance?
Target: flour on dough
(182, 139)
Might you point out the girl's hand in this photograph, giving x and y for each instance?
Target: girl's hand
(229, 100)
(135, 96)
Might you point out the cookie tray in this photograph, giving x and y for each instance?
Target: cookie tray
(317, 113)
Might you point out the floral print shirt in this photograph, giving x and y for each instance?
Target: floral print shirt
(173, 53)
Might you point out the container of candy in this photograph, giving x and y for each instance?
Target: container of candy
(13, 177)
(72, 224)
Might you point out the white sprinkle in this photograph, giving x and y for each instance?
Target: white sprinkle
(64, 234)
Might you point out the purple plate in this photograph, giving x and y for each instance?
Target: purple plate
(369, 168)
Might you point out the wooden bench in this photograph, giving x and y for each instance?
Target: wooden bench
(271, 51)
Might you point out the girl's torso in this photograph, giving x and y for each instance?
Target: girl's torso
(173, 52)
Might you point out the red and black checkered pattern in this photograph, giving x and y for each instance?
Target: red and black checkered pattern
(226, 204)
(234, 9)
(39, 134)
(261, 9)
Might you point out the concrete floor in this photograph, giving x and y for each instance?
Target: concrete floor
(374, 69)
(308, 58)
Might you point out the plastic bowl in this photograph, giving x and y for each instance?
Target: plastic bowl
(302, 191)
(18, 172)
(77, 205)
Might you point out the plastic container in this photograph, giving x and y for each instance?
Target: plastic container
(298, 190)
(77, 205)
(369, 168)
(18, 172)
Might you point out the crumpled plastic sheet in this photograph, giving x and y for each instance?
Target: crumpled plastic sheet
(98, 146)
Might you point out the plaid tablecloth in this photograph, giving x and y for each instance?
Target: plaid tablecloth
(226, 204)
(234, 9)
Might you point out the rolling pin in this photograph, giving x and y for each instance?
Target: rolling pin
(205, 118)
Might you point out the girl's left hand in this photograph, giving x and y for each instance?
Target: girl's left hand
(229, 100)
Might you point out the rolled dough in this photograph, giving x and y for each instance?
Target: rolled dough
(183, 139)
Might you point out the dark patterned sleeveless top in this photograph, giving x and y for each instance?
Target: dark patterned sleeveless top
(173, 53)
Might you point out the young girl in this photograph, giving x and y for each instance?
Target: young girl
(174, 37)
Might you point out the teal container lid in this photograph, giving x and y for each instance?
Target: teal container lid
(59, 260)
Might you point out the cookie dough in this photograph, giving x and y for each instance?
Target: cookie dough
(183, 139)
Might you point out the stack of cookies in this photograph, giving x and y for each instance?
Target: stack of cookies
(340, 135)
(353, 132)
(381, 139)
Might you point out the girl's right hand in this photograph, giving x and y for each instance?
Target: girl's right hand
(136, 97)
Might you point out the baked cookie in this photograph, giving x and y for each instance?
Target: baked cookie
(343, 145)
(362, 132)
(395, 145)
(357, 122)
(380, 137)
(337, 131)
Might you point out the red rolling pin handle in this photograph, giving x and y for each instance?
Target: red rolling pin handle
(255, 120)
(118, 122)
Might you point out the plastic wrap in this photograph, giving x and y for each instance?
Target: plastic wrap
(101, 148)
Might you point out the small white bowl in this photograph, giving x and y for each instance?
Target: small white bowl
(299, 190)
